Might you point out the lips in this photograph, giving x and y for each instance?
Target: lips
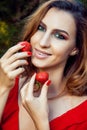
(41, 54)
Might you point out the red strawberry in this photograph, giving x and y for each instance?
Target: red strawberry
(42, 77)
(27, 46)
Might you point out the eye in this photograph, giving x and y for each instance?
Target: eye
(41, 28)
(59, 36)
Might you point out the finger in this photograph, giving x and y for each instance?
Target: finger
(31, 86)
(19, 62)
(45, 89)
(19, 55)
(23, 95)
(12, 50)
(23, 91)
(16, 73)
(16, 64)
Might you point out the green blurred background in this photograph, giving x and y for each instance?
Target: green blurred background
(12, 15)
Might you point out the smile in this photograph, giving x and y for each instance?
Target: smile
(41, 54)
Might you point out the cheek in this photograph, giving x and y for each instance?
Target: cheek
(35, 38)
(62, 50)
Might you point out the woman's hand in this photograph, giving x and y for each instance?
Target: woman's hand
(37, 107)
(10, 66)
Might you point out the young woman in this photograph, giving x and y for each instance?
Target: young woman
(57, 32)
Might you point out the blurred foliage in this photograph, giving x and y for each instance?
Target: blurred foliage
(12, 13)
(8, 35)
(84, 2)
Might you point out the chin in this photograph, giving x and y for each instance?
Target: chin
(38, 64)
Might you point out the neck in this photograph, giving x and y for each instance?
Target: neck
(58, 82)
(56, 89)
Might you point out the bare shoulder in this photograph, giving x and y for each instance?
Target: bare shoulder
(63, 104)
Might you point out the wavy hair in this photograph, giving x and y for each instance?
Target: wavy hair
(76, 67)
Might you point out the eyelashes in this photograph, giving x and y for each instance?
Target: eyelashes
(41, 28)
(56, 33)
(59, 36)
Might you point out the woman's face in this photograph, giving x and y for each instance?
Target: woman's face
(54, 40)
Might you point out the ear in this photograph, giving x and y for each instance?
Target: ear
(74, 52)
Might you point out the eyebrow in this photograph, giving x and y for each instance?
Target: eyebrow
(59, 30)
(43, 24)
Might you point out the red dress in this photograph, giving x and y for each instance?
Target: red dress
(74, 119)
(10, 119)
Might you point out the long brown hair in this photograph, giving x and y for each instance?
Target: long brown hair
(76, 67)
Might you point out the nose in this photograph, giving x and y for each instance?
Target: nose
(45, 40)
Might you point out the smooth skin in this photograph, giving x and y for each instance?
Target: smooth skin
(9, 69)
(52, 44)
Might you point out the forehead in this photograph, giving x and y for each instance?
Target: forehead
(60, 19)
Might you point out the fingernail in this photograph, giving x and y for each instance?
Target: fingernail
(48, 82)
(22, 44)
(27, 63)
(29, 53)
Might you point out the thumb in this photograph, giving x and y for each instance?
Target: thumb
(45, 88)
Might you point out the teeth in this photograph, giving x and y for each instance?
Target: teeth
(42, 54)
